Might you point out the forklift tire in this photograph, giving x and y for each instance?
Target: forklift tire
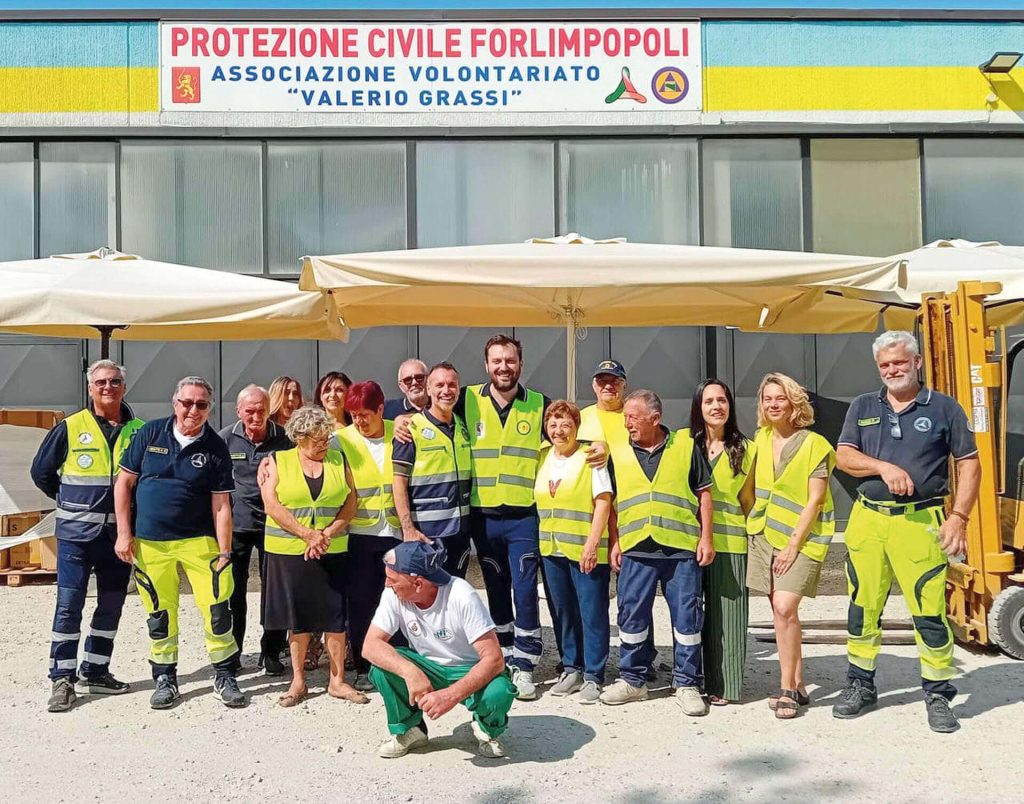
(1006, 621)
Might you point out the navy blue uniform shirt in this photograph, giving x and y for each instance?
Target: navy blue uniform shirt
(919, 439)
(393, 408)
(172, 497)
(247, 512)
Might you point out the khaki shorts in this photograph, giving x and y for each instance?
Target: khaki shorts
(802, 578)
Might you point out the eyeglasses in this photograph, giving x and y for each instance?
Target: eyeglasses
(198, 404)
(113, 382)
(413, 378)
(894, 426)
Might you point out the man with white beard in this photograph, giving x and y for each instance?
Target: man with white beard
(899, 441)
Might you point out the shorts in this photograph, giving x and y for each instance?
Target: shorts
(802, 578)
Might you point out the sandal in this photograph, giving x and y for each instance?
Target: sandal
(801, 698)
(290, 699)
(314, 652)
(718, 700)
(787, 705)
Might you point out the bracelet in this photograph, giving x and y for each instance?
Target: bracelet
(964, 517)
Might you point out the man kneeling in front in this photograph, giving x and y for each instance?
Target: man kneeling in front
(453, 655)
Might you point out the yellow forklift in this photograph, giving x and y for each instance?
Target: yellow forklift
(968, 360)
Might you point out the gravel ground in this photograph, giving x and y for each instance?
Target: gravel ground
(117, 748)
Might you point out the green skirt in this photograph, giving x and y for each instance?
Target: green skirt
(724, 637)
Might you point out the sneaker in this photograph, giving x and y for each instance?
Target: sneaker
(398, 745)
(567, 684)
(487, 746)
(858, 697)
(940, 716)
(165, 694)
(590, 692)
(526, 690)
(225, 687)
(271, 664)
(622, 692)
(62, 696)
(104, 684)
(363, 683)
(691, 701)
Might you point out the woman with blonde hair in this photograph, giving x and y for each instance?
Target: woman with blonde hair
(791, 523)
(285, 398)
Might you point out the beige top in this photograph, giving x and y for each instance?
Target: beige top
(789, 452)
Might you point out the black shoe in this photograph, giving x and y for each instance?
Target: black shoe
(940, 716)
(225, 687)
(104, 684)
(166, 692)
(271, 664)
(62, 697)
(857, 698)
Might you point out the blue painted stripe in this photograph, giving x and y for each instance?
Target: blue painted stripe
(856, 44)
(97, 44)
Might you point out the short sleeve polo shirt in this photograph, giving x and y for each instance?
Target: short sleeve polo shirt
(172, 497)
(919, 439)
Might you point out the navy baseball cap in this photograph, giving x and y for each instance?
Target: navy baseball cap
(613, 367)
(420, 559)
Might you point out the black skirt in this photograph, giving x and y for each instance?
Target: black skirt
(305, 596)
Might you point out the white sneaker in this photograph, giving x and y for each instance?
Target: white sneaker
(401, 744)
(487, 746)
(526, 690)
(590, 692)
(568, 683)
(691, 701)
(622, 692)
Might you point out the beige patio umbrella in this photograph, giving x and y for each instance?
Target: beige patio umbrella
(575, 282)
(111, 294)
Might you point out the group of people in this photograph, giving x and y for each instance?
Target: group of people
(364, 513)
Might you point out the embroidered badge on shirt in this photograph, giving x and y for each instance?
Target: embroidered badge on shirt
(157, 450)
(922, 424)
(198, 460)
(867, 422)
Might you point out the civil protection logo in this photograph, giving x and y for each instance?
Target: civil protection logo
(85, 461)
(185, 86)
(198, 460)
(85, 438)
(523, 428)
(922, 424)
(670, 85)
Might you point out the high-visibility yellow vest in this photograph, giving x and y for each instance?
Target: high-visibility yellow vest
(293, 494)
(85, 500)
(440, 481)
(505, 457)
(664, 509)
(779, 503)
(602, 425)
(373, 484)
(729, 521)
(567, 516)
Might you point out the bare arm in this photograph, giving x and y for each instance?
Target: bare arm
(706, 546)
(490, 665)
(124, 491)
(378, 651)
(856, 464)
(400, 492)
(953, 533)
(221, 504)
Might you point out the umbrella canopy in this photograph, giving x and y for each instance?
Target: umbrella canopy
(80, 295)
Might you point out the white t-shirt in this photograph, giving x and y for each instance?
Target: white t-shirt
(383, 528)
(443, 633)
(601, 481)
(184, 440)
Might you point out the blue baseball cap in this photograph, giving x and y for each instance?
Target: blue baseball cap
(420, 559)
(613, 367)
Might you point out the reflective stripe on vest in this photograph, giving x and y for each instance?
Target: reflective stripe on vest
(567, 516)
(293, 494)
(664, 509)
(85, 499)
(778, 503)
(439, 485)
(729, 522)
(505, 457)
(373, 486)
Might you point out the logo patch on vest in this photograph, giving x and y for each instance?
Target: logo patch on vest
(523, 428)
(479, 429)
(428, 433)
(85, 461)
(198, 460)
(867, 422)
(85, 438)
(922, 424)
(157, 450)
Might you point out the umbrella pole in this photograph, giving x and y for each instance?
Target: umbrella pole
(570, 359)
(105, 335)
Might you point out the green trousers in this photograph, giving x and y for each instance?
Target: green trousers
(489, 706)
(724, 636)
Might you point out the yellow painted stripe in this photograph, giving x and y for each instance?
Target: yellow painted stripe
(79, 89)
(855, 89)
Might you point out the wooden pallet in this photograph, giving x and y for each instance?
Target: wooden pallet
(26, 576)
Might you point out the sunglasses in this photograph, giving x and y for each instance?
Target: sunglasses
(413, 378)
(894, 426)
(198, 404)
(114, 382)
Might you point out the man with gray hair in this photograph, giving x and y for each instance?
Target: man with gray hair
(177, 472)
(898, 441)
(249, 440)
(412, 382)
(76, 465)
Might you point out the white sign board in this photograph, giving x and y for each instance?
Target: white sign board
(430, 67)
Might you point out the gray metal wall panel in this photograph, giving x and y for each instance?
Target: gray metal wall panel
(461, 346)
(41, 373)
(370, 354)
(544, 360)
(667, 360)
(154, 369)
(259, 362)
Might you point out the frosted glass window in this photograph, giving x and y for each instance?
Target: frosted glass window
(331, 199)
(753, 194)
(865, 196)
(194, 203)
(16, 201)
(470, 193)
(77, 197)
(974, 189)
(643, 190)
